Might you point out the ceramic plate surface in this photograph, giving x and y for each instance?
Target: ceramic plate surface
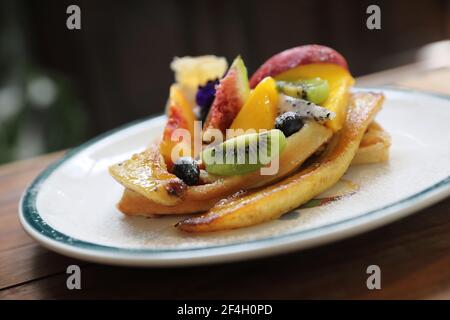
(70, 208)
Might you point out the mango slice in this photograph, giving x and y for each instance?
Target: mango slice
(260, 109)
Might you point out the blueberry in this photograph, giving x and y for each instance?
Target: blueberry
(187, 170)
(289, 123)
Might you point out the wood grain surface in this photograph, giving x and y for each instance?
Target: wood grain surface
(413, 253)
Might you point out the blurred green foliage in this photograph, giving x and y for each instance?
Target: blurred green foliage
(39, 109)
(41, 115)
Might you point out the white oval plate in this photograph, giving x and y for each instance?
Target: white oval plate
(70, 208)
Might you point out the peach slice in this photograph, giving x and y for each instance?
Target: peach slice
(180, 116)
(294, 57)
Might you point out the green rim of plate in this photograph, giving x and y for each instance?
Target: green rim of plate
(32, 217)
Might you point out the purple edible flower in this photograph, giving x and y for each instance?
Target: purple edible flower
(205, 94)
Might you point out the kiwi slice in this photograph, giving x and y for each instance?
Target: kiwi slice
(243, 154)
(315, 90)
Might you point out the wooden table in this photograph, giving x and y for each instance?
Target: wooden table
(414, 256)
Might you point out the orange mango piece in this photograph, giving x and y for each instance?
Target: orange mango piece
(339, 81)
(260, 109)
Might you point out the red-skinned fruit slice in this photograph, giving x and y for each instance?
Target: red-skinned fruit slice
(295, 57)
(180, 116)
(231, 94)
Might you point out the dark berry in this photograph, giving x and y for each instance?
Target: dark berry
(289, 123)
(187, 170)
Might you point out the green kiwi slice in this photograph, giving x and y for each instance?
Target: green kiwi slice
(315, 90)
(244, 154)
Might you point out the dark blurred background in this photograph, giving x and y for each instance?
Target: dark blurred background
(59, 87)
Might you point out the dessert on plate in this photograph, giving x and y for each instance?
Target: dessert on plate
(238, 151)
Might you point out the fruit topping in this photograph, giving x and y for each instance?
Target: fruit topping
(305, 109)
(295, 57)
(310, 61)
(180, 116)
(260, 109)
(289, 123)
(315, 90)
(339, 82)
(204, 99)
(243, 154)
(187, 169)
(205, 94)
(231, 94)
